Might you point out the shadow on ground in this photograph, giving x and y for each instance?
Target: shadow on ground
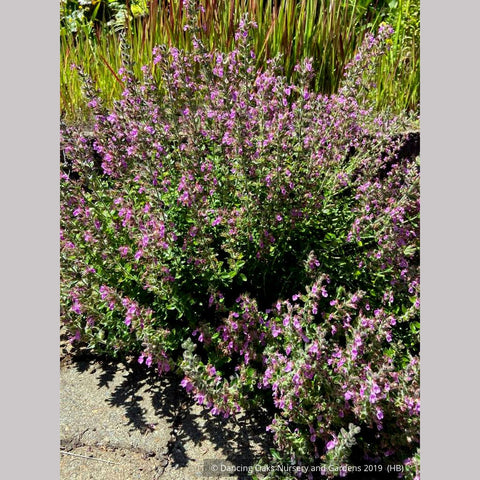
(240, 441)
(121, 410)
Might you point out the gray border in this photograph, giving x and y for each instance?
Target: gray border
(29, 224)
(449, 244)
(29, 194)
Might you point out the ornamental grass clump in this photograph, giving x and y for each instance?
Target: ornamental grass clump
(257, 238)
(329, 31)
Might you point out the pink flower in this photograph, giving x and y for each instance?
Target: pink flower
(76, 337)
(88, 236)
(76, 307)
(275, 331)
(211, 370)
(200, 398)
(331, 444)
(187, 385)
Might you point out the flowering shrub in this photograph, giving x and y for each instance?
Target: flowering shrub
(258, 238)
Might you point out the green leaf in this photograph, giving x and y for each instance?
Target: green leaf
(409, 250)
(275, 454)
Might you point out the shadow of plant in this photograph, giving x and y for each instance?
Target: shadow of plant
(240, 440)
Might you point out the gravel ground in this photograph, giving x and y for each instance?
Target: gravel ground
(118, 421)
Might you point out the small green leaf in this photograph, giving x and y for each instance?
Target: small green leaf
(275, 454)
(415, 327)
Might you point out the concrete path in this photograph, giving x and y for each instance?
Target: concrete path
(120, 422)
